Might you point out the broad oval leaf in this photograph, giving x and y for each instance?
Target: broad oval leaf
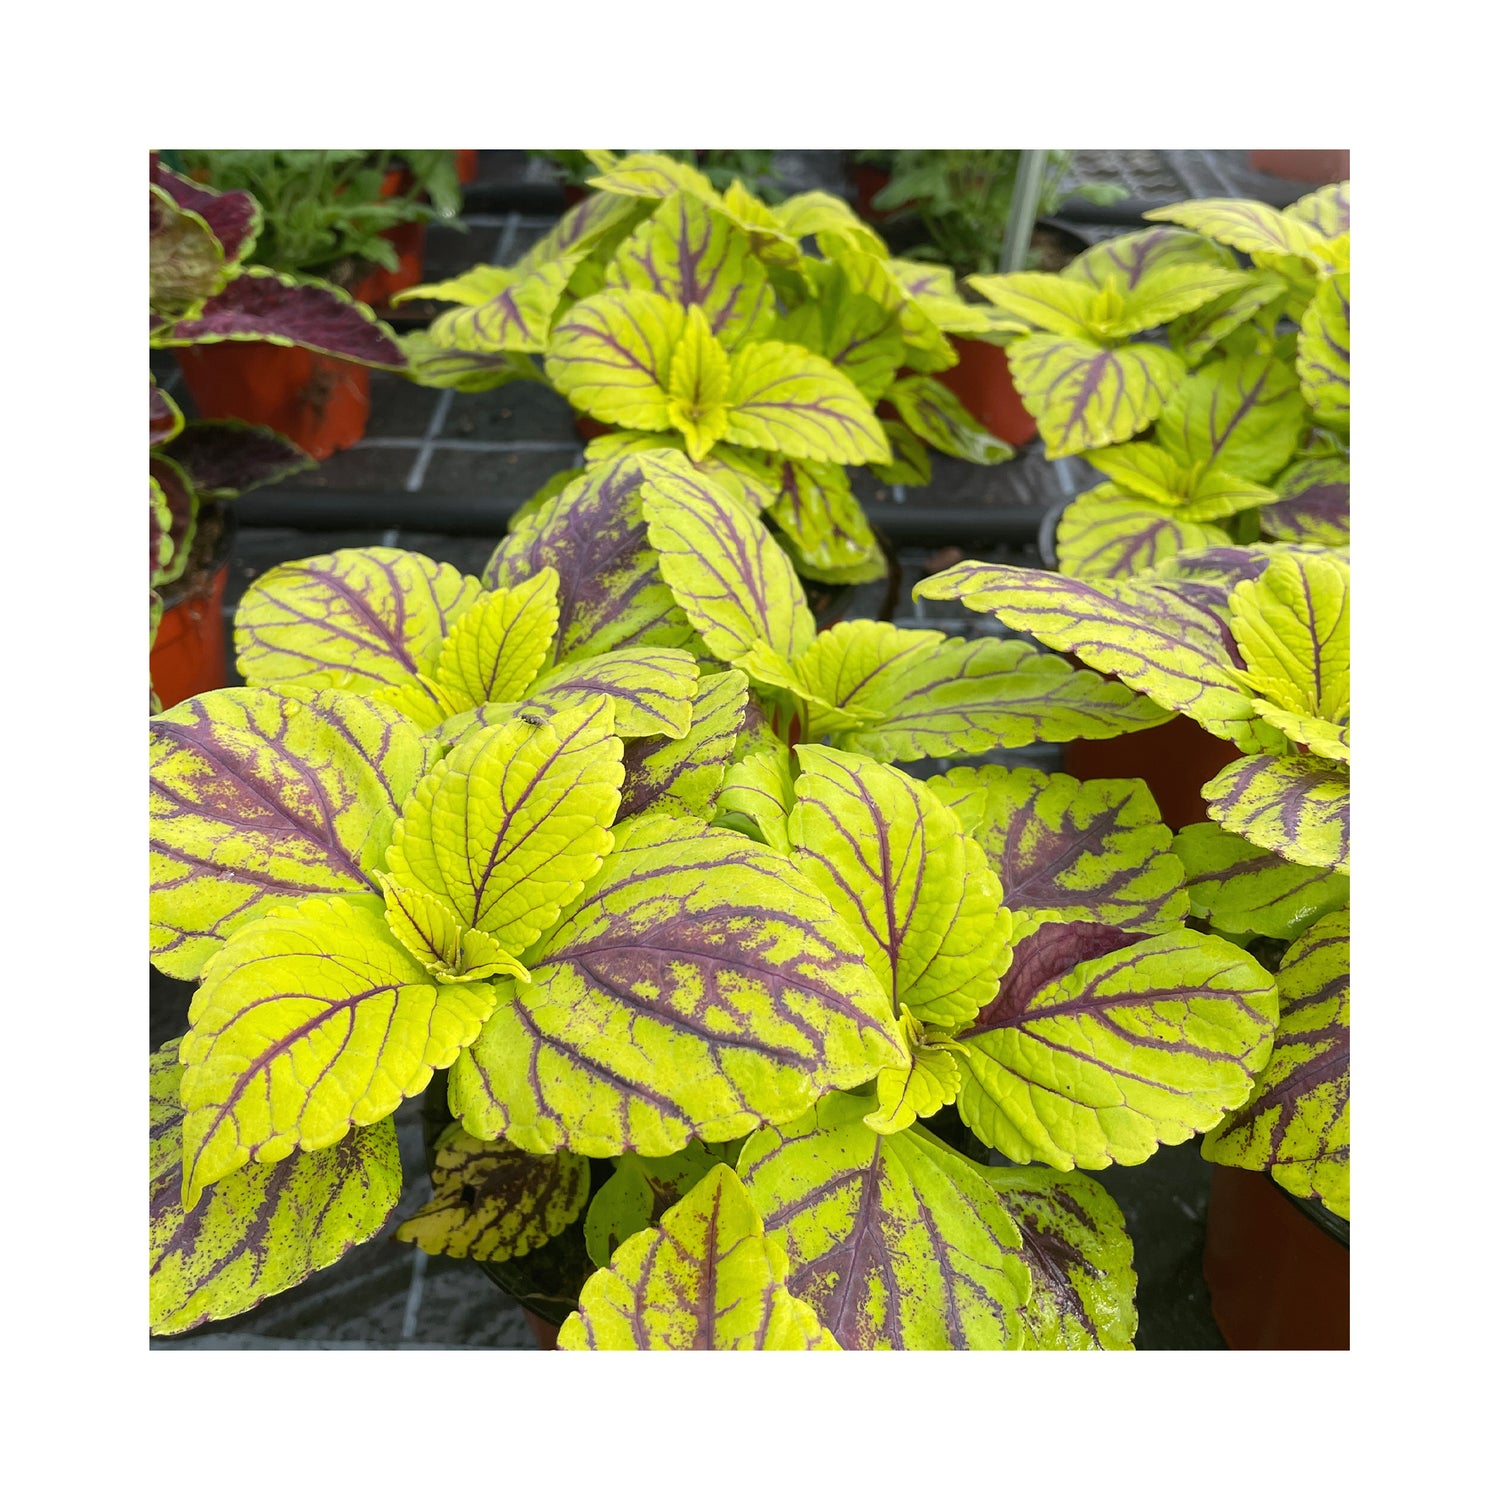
(706, 1278)
(309, 1021)
(360, 617)
(850, 330)
(698, 987)
(787, 399)
(497, 647)
(1243, 413)
(517, 317)
(1166, 292)
(1296, 1124)
(1084, 396)
(266, 306)
(1295, 805)
(1052, 304)
(897, 1241)
(730, 579)
(895, 865)
(611, 356)
(757, 797)
(1323, 353)
(1195, 335)
(649, 174)
(1168, 639)
(1073, 1238)
(512, 823)
(224, 459)
(684, 774)
(1080, 1064)
(234, 216)
(695, 257)
(640, 1190)
(1105, 534)
(817, 511)
(650, 687)
(186, 259)
(492, 1201)
(258, 798)
(1068, 850)
(1241, 888)
(917, 693)
(262, 1229)
(610, 591)
(1326, 210)
(1130, 258)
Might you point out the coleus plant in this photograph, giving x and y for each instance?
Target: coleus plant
(1234, 429)
(204, 290)
(689, 317)
(1253, 644)
(607, 905)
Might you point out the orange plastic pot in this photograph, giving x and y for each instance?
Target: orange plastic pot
(467, 165)
(188, 655)
(542, 1331)
(868, 181)
(981, 381)
(1303, 166)
(588, 428)
(1277, 1277)
(1174, 759)
(319, 402)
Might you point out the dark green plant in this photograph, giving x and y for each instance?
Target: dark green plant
(326, 212)
(963, 199)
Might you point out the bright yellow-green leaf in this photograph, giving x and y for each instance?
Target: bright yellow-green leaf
(705, 1278)
(923, 1087)
(509, 827)
(1240, 888)
(309, 1021)
(1068, 850)
(1039, 300)
(683, 774)
(649, 174)
(1295, 805)
(1165, 292)
(359, 618)
(1099, 1061)
(817, 512)
(915, 890)
(902, 694)
(498, 646)
(937, 416)
(1073, 1238)
(651, 688)
(1292, 627)
(1241, 223)
(611, 356)
(260, 797)
(516, 319)
(429, 929)
(850, 330)
(792, 401)
(699, 986)
(698, 386)
(491, 1201)
(1316, 735)
(897, 1240)
(1085, 396)
(1323, 353)
(760, 789)
(1243, 414)
(1106, 534)
(1196, 334)
(732, 581)
(476, 285)
(1127, 259)
(263, 1228)
(640, 1190)
(1297, 1121)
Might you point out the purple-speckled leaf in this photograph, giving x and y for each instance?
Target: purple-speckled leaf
(684, 775)
(166, 419)
(262, 305)
(1314, 504)
(1097, 1048)
(224, 459)
(1129, 257)
(182, 503)
(698, 987)
(1069, 851)
(610, 590)
(1295, 805)
(262, 1229)
(261, 797)
(1243, 413)
(695, 257)
(233, 217)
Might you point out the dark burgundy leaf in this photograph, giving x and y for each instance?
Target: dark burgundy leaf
(223, 459)
(1045, 955)
(233, 217)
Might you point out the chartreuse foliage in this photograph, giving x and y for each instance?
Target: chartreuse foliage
(748, 335)
(1249, 437)
(1254, 644)
(765, 976)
